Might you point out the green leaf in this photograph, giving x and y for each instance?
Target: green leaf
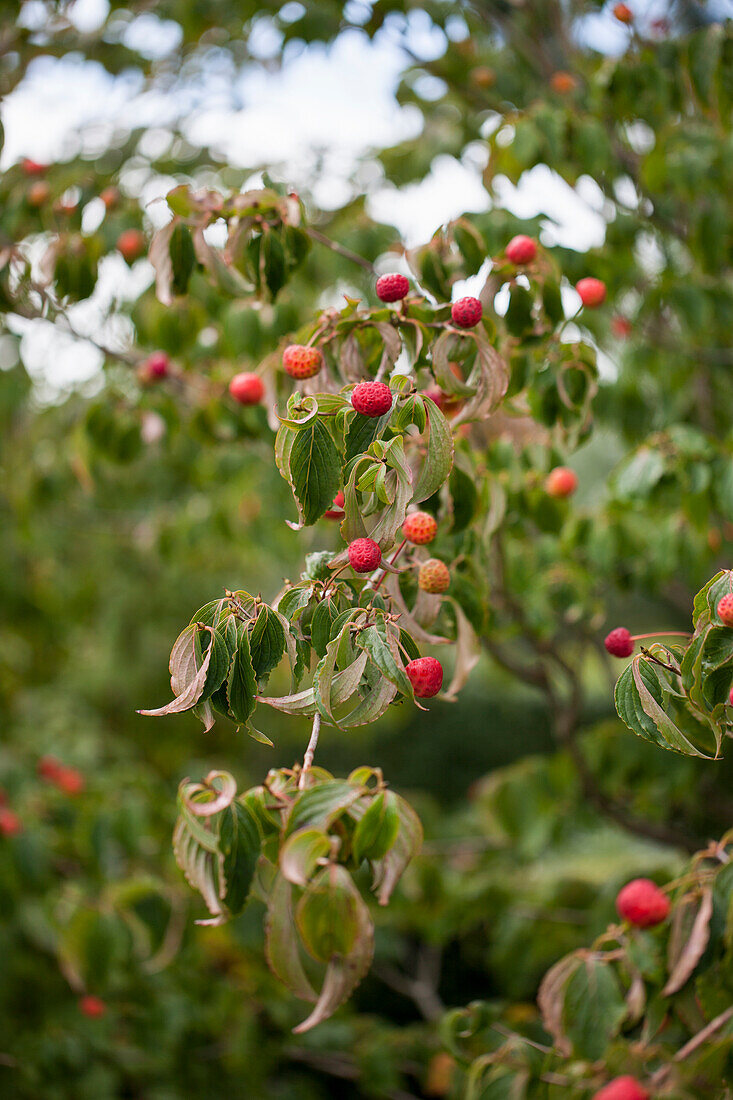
(315, 469)
(267, 643)
(281, 941)
(594, 1008)
(301, 852)
(242, 684)
(186, 674)
(377, 830)
(183, 258)
(239, 844)
(324, 616)
(389, 869)
(640, 703)
(322, 805)
(380, 642)
(439, 456)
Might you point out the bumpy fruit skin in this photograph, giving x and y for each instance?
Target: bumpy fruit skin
(433, 576)
(157, 365)
(247, 388)
(426, 676)
(622, 1088)
(725, 609)
(521, 250)
(336, 511)
(623, 13)
(563, 83)
(642, 903)
(131, 244)
(592, 292)
(10, 823)
(619, 642)
(561, 482)
(91, 1006)
(466, 312)
(392, 288)
(364, 555)
(420, 528)
(372, 398)
(300, 361)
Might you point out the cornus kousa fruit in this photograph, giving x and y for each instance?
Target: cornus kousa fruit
(622, 1088)
(521, 250)
(433, 576)
(420, 528)
(392, 288)
(32, 167)
(247, 388)
(466, 312)
(131, 244)
(336, 511)
(364, 555)
(69, 780)
(725, 609)
(642, 903)
(157, 365)
(561, 482)
(426, 676)
(621, 327)
(10, 823)
(300, 361)
(592, 292)
(563, 83)
(372, 398)
(619, 642)
(623, 13)
(91, 1006)
(38, 193)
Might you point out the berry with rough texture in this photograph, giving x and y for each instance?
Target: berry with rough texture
(392, 288)
(247, 388)
(433, 576)
(420, 528)
(372, 398)
(521, 250)
(426, 676)
(300, 361)
(563, 83)
(10, 823)
(642, 903)
(336, 511)
(619, 642)
(157, 365)
(623, 13)
(131, 244)
(725, 609)
(466, 312)
(592, 292)
(622, 1088)
(364, 555)
(92, 1006)
(561, 482)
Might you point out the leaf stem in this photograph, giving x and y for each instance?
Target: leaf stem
(310, 752)
(662, 634)
(392, 560)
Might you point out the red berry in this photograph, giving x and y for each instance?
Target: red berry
(592, 292)
(300, 361)
(91, 1006)
(10, 823)
(131, 244)
(110, 197)
(730, 697)
(336, 511)
(621, 327)
(69, 780)
(623, 13)
(433, 576)
(364, 555)
(419, 528)
(392, 288)
(561, 482)
(157, 365)
(372, 398)
(426, 676)
(48, 767)
(32, 167)
(622, 1088)
(38, 193)
(521, 250)
(563, 83)
(642, 903)
(619, 642)
(466, 312)
(437, 395)
(247, 388)
(725, 609)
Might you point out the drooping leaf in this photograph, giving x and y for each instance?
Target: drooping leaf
(315, 470)
(242, 683)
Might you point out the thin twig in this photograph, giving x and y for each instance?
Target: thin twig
(310, 752)
(316, 235)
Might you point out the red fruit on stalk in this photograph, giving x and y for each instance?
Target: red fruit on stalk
(521, 250)
(619, 642)
(32, 167)
(300, 361)
(561, 482)
(364, 555)
(724, 609)
(10, 823)
(622, 1088)
(420, 528)
(642, 903)
(433, 576)
(392, 288)
(466, 312)
(38, 193)
(592, 292)
(563, 83)
(69, 780)
(131, 244)
(623, 13)
(426, 676)
(247, 388)
(372, 398)
(336, 511)
(91, 1006)
(157, 365)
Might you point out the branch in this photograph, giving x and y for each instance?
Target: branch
(310, 752)
(316, 235)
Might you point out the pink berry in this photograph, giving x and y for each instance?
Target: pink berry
(48, 767)
(622, 1088)
(157, 365)
(32, 167)
(619, 642)
(372, 398)
(725, 609)
(730, 697)
(521, 250)
(466, 312)
(433, 576)
(336, 511)
(592, 292)
(392, 288)
(419, 528)
(300, 361)
(426, 676)
(69, 780)
(131, 244)
(642, 903)
(364, 555)
(91, 1006)
(623, 13)
(10, 823)
(247, 388)
(621, 327)
(561, 482)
